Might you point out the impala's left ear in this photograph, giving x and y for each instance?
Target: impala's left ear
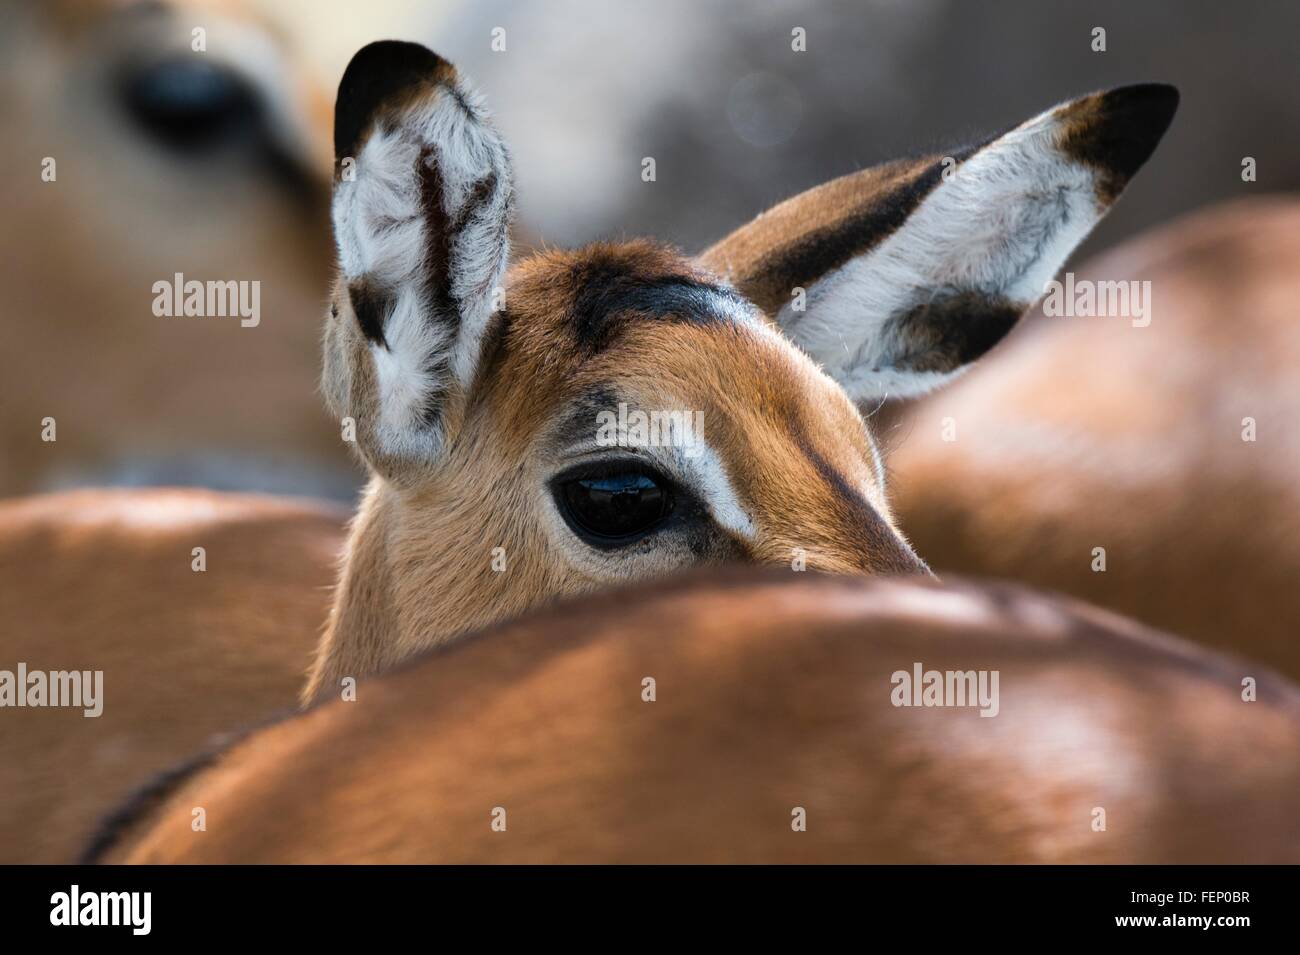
(897, 277)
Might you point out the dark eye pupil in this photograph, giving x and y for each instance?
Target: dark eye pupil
(189, 104)
(621, 505)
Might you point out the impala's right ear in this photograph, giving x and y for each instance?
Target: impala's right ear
(896, 278)
(421, 209)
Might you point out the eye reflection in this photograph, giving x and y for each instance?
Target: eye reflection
(615, 508)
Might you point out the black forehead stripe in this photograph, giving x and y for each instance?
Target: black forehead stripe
(610, 295)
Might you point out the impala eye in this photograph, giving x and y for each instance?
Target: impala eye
(615, 508)
(190, 105)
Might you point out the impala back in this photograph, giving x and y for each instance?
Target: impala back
(750, 718)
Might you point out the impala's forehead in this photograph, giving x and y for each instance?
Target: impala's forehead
(638, 325)
(636, 350)
(588, 298)
(738, 394)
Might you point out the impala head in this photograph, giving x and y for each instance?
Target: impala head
(162, 159)
(487, 402)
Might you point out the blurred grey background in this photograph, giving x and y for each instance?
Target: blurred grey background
(736, 120)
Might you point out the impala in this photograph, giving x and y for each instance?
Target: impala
(476, 392)
(476, 396)
(164, 160)
(746, 718)
(104, 581)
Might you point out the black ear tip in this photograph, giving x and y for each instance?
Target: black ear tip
(378, 73)
(1154, 102)
(1118, 130)
(384, 57)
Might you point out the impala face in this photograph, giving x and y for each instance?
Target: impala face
(776, 466)
(500, 412)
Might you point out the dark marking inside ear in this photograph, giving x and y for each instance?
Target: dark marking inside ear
(1117, 131)
(380, 76)
(438, 231)
(950, 331)
(819, 252)
(463, 102)
(438, 369)
(611, 293)
(443, 231)
(372, 304)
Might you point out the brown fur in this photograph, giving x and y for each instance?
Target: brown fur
(796, 450)
(626, 323)
(102, 580)
(772, 693)
(799, 240)
(1088, 432)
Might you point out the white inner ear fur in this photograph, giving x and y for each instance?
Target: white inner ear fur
(382, 236)
(1002, 224)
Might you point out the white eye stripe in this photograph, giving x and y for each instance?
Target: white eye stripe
(695, 466)
(708, 476)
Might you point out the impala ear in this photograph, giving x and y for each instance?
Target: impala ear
(421, 209)
(897, 277)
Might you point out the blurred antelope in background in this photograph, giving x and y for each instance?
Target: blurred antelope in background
(756, 719)
(131, 157)
(105, 580)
